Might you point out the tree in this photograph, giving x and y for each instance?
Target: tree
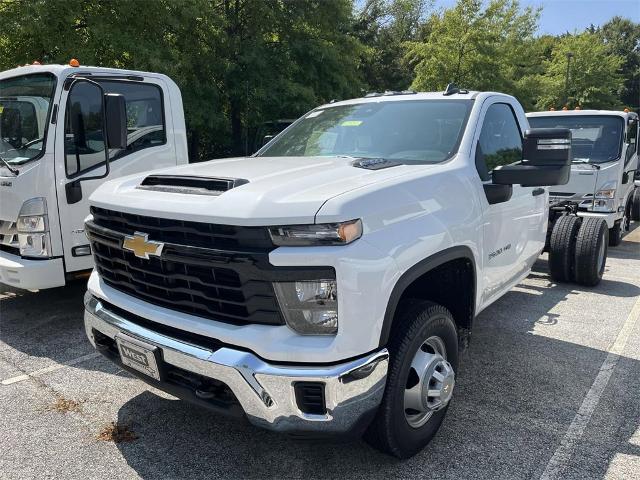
(383, 26)
(237, 62)
(622, 37)
(475, 47)
(593, 74)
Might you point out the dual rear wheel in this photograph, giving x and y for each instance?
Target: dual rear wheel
(578, 249)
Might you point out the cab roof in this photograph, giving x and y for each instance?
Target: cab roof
(415, 96)
(560, 113)
(63, 71)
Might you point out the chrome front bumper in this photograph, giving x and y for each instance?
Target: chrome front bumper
(265, 392)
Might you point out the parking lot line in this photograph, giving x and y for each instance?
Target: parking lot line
(51, 368)
(562, 455)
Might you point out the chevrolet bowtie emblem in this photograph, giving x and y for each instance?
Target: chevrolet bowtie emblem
(141, 246)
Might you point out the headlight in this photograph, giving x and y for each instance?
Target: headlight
(309, 307)
(604, 199)
(33, 229)
(316, 234)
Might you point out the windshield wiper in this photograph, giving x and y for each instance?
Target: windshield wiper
(9, 167)
(580, 160)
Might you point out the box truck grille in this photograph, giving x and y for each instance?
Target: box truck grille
(9, 237)
(219, 272)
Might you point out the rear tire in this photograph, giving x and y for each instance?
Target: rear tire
(397, 430)
(635, 205)
(591, 251)
(562, 245)
(616, 233)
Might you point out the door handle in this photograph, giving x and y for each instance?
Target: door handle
(537, 191)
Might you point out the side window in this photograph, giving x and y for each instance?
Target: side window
(145, 115)
(632, 139)
(84, 141)
(500, 141)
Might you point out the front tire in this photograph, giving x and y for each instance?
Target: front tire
(423, 359)
(591, 251)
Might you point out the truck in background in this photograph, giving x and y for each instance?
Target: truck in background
(52, 157)
(604, 144)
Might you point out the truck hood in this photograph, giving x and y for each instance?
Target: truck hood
(585, 180)
(278, 190)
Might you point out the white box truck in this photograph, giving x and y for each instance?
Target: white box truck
(47, 174)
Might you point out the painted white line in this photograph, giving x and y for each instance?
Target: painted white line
(52, 368)
(562, 455)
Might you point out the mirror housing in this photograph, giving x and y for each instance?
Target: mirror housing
(546, 160)
(115, 110)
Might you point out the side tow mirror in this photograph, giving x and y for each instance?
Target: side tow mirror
(546, 160)
(116, 120)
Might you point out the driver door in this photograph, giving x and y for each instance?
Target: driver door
(514, 226)
(82, 156)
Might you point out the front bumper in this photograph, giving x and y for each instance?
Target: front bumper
(31, 274)
(264, 392)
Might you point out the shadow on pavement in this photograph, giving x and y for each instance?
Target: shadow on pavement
(47, 324)
(517, 392)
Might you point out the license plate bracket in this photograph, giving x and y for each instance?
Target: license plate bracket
(139, 356)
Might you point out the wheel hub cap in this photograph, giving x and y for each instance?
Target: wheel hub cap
(430, 384)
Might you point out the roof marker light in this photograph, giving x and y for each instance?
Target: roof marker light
(565, 108)
(36, 62)
(577, 108)
(74, 62)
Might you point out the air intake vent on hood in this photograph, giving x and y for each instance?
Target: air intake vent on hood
(190, 185)
(375, 163)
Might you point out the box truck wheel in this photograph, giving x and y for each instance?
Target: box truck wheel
(562, 246)
(423, 352)
(591, 251)
(635, 205)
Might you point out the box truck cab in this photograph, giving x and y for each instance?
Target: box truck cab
(605, 158)
(53, 155)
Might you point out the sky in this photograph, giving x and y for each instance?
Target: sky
(560, 16)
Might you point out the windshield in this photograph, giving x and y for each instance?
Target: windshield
(594, 138)
(24, 113)
(415, 131)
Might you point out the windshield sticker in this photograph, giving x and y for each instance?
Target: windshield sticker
(351, 123)
(315, 114)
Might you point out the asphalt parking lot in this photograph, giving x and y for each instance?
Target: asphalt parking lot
(550, 388)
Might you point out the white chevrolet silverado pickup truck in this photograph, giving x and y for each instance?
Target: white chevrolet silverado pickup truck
(326, 284)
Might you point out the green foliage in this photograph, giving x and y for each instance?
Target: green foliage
(240, 63)
(593, 78)
(622, 37)
(474, 46)
(383, 26)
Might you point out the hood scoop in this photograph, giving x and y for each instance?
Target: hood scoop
(190, 185)
(375, 163)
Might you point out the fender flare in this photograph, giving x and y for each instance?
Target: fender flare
(416, 271)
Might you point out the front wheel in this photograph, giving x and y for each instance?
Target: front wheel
(420, 381)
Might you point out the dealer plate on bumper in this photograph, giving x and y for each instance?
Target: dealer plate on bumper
(139, 356)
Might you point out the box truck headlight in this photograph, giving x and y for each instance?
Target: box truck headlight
(604, 199)
(309, 307)
(33, 229)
